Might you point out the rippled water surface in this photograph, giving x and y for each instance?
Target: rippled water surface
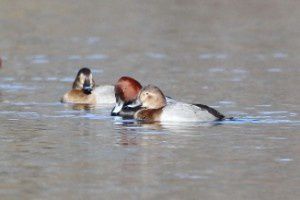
(240, 57)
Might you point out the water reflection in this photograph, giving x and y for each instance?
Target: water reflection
(85, 107)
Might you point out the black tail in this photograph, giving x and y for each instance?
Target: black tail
(212, 111)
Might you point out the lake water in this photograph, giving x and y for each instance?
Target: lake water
(239, 57)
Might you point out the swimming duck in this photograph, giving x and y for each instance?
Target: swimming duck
(84, 90)
(127, 90)
(153, 107)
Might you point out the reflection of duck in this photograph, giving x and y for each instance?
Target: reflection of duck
(138, 133)
(152, 106)
(86, 107)
(85, 92)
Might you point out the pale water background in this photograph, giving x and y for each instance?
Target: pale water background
(241, 57)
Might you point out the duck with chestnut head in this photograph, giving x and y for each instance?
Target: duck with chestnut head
(127, 90)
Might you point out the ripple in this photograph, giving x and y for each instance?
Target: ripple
(30, 115)
(15, 87)
(97, 71)
(92, 40)
(226, 102)
(67, 79)
(39, 59)
(272, 112)
(277, 138)
(36, 78)
(260, 56)
(63, 79)
(216, 69)
(205, 56)
(58, 116)
(219, 56)
(156, 55)
(236, 79)
(236, 113)
(263, 105)
(96, 57)
(8, 79)
(74, 57)
(52, 79)
(280, 55)
(21, 114)
(6, 112)
(239, 71)
(274, 70)
(190, 176)
(34, 103)
(284, 160)
(259, 120)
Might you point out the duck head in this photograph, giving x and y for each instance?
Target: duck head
(127, 90)
(84, 81)
(150, 97)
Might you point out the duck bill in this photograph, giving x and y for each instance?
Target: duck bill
(87, 87)
(117, 109)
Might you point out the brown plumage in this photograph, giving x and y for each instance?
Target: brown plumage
(149, 115)
(127, 89)
(78, 96)
(82, 89)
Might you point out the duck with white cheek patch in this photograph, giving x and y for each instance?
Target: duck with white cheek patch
(85, 92)
(152, 106)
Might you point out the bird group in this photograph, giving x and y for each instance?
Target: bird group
(131, 100)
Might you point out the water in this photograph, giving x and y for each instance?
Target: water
(239, 57)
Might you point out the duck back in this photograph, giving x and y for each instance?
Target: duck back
(183, 112)
(105, 94)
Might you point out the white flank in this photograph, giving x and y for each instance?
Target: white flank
(105, 94)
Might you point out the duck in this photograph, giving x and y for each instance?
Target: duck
(127, 90)
(84, 90)
(151, 106)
